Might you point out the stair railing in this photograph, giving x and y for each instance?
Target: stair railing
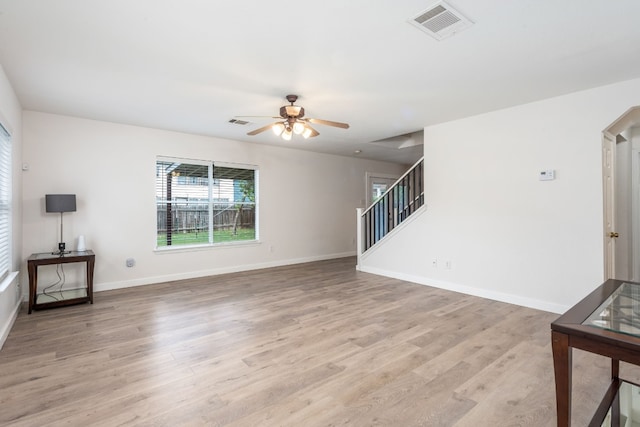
(401, 200)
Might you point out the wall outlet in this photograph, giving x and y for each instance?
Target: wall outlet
(434, 263)
(447, 264)
(131, 262)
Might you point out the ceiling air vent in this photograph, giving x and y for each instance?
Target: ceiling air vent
(238, 122)
(440, 21)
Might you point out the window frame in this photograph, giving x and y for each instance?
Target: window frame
(212, 181)
(6, 207)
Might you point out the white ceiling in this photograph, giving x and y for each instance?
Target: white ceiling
(192, 65)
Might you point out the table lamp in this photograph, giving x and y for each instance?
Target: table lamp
(60, 203)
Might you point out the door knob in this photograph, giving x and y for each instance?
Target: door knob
(612, 234)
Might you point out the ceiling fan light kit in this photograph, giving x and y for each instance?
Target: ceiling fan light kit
(287, 134)
(295, 123)
(291, 111)
(277, 128)
(298, 128)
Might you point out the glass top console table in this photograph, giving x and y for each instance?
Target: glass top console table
(606, 322)
(65, 297)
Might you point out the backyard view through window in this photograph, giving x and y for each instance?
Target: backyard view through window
(202, 203)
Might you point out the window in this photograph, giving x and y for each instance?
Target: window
(202, 203)
(5, 202)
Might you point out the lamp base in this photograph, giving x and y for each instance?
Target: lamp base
(61, 249)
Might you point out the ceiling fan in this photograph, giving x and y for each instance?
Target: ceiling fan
(292, 121)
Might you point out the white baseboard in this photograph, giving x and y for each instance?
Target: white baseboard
(483, 293)
(6, 328)
(98, 287)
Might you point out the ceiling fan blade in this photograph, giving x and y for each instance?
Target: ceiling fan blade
(261, 117)
(329, 123)
(260, 130)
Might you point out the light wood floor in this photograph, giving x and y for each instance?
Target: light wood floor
(317, 344)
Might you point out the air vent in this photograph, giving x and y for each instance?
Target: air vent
(440, 21)
(238, 122)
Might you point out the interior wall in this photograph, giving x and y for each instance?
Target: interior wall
(307, 201)
(11, 118)
(507, 235)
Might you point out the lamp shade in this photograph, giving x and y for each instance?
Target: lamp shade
(60, 202)
(298, 128)
(277, 128)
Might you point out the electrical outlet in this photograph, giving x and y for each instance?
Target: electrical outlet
(434, 263)
(131, 262)
(447, 264)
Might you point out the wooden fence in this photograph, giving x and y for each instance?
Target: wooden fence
(196, 218)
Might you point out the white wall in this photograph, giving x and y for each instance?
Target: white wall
(307, 200)
(508, 235)
(11, 118)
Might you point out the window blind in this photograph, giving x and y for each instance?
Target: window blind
(5, 202)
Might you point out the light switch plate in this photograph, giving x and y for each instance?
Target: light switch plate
(547, 175)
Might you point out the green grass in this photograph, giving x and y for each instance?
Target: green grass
(219, 236)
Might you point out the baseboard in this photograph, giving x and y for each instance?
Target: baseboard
(4, 333)
(107, 286)
(483, 293)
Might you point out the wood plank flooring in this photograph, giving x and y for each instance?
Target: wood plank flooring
(316, 344)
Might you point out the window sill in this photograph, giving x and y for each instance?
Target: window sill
(204, 247)
(4, 284)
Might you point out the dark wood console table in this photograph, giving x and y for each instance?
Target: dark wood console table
(606, 322)
(64, 297)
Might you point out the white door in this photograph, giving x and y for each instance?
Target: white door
(618, 196)
(377, 185)
(635, 216)
(621, 185)
(608, 171)
(623, 209)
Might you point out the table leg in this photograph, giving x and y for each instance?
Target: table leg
(33, 284)
(615, 409)
(90, 268)
(615, 368)
(562, 365)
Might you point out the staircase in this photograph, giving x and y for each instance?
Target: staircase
(392, 208)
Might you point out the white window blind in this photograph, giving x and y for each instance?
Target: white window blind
(5, 202)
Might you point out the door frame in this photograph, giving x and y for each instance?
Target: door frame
(369, 177)
(629, 119)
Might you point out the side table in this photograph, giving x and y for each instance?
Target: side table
(606, 322)
(66, 297)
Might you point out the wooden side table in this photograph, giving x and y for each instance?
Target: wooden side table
(606, 322)
(65, 297)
